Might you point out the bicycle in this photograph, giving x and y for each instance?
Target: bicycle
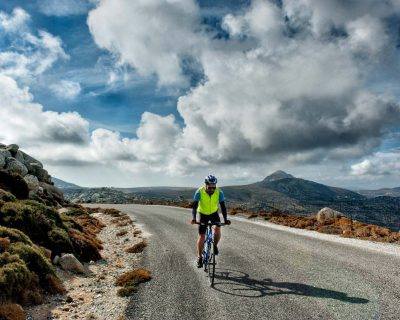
(208, 251)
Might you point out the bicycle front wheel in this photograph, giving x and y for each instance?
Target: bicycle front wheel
(211, 266)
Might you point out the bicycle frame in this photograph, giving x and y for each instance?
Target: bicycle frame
(207, 246)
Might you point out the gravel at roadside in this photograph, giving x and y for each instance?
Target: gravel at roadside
(94, 295)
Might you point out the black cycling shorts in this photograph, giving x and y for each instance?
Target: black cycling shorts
(205, 218)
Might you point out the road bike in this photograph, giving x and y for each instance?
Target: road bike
(208, 254)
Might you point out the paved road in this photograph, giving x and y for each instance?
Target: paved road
(263, 274)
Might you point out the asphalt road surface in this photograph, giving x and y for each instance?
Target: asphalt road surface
(262, 273)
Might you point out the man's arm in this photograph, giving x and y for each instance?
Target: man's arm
(196, 200)
(223, 209)
(194, 209)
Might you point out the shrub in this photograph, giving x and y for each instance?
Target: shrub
(6, 196)
(12, 311)
(31, 217)
(126, 291)
(85, 247)
(137, 248)
(112, 212)
(4, 244)
(59, 241)
(34, 260)
(14, 235)
(15, 278)
(330, 229)
(54, 285)
(363, 232)
(132, 278)
(76, 211)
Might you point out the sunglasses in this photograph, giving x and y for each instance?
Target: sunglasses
(211, 187)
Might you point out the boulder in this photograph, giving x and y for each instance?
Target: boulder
(53, 191)
(14, 166)
(4, 155)
(2, 160)
(37, 170)
(20, 157)
(13, 148)
(32, 182)
(327, 213)
(14, 183)
(56, 260)
(28, 160)
(69, 263)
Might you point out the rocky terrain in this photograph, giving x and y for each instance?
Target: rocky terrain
(45, 240)
(98, 195)
(96, 291)
(26, 178)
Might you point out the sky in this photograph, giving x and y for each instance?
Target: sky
(163, 92)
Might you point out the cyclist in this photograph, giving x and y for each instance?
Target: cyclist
(206, 200)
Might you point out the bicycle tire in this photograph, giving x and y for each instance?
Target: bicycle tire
(211, 267)
(206, 255)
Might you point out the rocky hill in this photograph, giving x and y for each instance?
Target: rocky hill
(61, 184)
(25, 177)
(98, 195)
(34, 234)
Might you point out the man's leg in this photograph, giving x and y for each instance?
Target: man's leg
(200, 244)
(217, 234)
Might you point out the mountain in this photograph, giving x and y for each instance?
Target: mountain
(391, 192)
(64, 185)
(277, 175)
(278, 191)
(305, 190)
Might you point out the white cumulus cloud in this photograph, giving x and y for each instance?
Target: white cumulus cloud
(66, 89)
(379, 164)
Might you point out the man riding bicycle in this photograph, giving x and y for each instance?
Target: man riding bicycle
(206, 200)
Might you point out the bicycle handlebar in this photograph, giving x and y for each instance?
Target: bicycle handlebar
(212, 224)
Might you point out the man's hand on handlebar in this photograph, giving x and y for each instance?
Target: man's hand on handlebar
(228, 222)
(193, 221)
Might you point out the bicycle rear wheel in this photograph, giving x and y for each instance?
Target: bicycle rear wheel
(211, 266)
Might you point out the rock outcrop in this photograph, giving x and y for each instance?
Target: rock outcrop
(25, 177)
(69, 263)
(326, 214)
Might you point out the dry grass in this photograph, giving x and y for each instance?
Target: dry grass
(126, 291)
(253, 215)
(112, 212)
(137, 232)
(121, 233)
(12, 311)
(134, 277)
(4, 243)
(55, 285)
(342, 226)
(137, 248)
(124, 223)
(129, 281)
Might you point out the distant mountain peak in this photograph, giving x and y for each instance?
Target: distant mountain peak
(278, 175)
(64, 185)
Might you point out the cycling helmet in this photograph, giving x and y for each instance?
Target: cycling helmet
(210, 179)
